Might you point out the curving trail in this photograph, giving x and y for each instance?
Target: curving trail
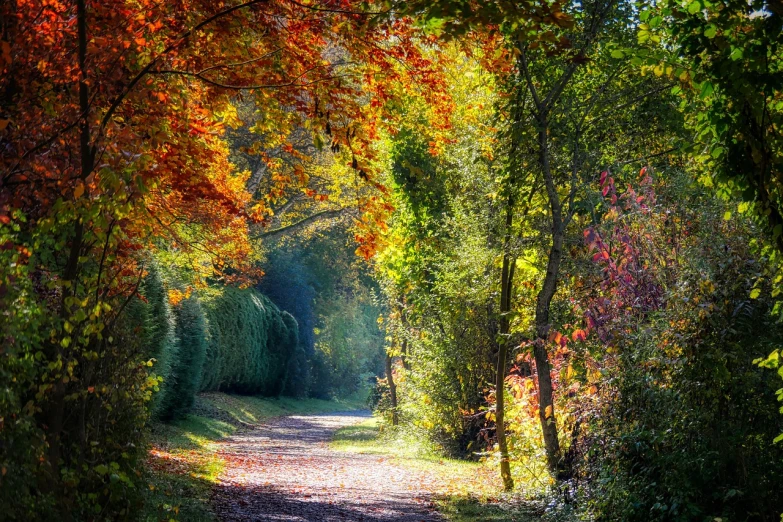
(285, 471)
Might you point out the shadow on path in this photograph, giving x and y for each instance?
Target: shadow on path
(285, 471)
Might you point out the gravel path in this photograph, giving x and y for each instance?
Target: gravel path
(285, 471)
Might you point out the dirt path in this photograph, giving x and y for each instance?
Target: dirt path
(285, 471)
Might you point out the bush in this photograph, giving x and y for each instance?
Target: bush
(152, 319)
(320, 377)
(297, 375)
(683, 420)
(184, 377)
(73, 405)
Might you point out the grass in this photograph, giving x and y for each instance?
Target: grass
(183, 463)
(465, 491)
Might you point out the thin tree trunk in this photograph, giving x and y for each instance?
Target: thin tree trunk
(392, 389)
(404, 355)
(546, 405)
(56, 406)
(506, 283)
(404, 346)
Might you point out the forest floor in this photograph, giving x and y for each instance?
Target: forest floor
(184, 462)
(285, 470)
(251, 459)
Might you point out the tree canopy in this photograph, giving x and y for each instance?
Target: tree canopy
(547, 233)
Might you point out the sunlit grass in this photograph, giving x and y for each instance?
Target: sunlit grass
(464, 490)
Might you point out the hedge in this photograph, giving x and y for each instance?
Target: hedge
(221, 338)
(185, 373)
(251, 343)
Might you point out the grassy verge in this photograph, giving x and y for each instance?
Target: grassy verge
(183, 463)
(464, 491)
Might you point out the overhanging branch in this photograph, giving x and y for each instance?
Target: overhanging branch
(304, 223)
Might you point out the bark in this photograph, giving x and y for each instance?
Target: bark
(543, 302)
(506, 283)
(294, 228)
(404, 345)
(392, 389)
(55, 414)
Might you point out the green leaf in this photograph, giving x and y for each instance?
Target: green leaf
(706, 90)
(618, 54)
(755, 293)
(710, 31)
(727, 215)
(736, 54)
(694, 7)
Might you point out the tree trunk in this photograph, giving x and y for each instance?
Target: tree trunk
(546, 405)
(392, 389)
(404, 345)
(506, 283)
(56, 405)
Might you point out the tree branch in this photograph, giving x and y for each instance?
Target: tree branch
(299, 225)
(182, 40)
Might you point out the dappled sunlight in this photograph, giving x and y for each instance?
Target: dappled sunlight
(285, 470)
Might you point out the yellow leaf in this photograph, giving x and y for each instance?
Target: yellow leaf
(79, 190)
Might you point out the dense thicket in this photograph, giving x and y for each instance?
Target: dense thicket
(680, 422)
(567, 223)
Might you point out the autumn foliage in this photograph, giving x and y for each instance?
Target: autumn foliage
(113, 117)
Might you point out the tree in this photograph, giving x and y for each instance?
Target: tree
(112, 120)
(729, 56)
(564, 127)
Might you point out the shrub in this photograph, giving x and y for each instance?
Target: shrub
(185, 371)
(683, 423)
(152, 319)
(73, 405)
(250, 344)
(297, 374)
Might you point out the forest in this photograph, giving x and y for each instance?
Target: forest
(542, 240)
